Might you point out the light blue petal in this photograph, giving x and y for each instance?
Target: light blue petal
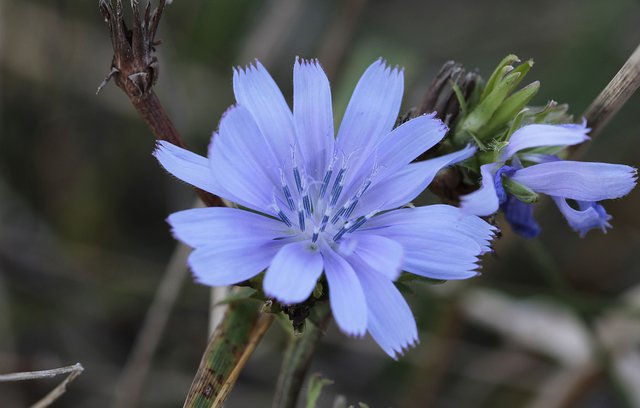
(389, 321)
(400, 188)
(545, 135)
(439, 241)
(293, 273)
(578, 180)
(215, 225)
(590, 215)
(243, 157)
(257, 91)
(435, 259)
(313, 116)
(231, 262)
(346, 296)
(380, 254)
(188, 167)
(370, 115)
(439, 217)
(408, 141)
(483, 201)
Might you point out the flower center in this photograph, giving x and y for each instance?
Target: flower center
(320, 207)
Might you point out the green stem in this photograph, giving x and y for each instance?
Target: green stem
(297, 358)
(226, 354)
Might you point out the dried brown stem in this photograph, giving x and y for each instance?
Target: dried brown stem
(134, 69)
(34, 375)
(615, 94)
(60, 389)
(72, 371)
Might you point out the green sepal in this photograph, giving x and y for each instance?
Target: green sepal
(464, 108)
(498, 73)
(516, 123)
(522, 193)
(487, 107)
(552, 114)
(508, 109)
(524, 69)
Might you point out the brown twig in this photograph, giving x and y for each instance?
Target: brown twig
(34, 375)
(134, 69)
(55, 393)
(615, 94)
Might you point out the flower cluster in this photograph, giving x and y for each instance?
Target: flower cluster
(315, 206)
(521, 171)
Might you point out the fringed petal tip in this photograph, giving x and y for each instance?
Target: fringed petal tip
(186, 166)
(161, 147)
(382, 64)
(355, 333)
(308, 62)
(399, 351)
(443, 127)
(253, 66)
(582, 181)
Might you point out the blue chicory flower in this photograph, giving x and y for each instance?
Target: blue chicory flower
(584, 183)
(315, 202)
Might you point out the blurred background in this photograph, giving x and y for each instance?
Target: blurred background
(551, 322)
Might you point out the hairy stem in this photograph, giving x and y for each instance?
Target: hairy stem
(226, 354)
(298, 356)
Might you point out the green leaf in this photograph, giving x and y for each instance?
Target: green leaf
(316, 384)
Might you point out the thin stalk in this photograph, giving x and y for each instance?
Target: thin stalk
(298, 356)
(226, 354)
